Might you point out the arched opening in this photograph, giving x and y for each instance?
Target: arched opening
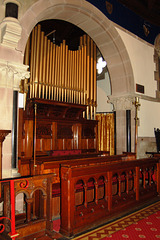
(21, 208)
(98, 27)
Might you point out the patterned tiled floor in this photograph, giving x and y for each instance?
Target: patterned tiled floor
(125, 227)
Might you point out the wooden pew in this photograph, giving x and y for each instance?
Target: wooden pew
(51, 164)
(118, 187)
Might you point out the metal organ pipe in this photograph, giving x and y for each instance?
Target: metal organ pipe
(60, 74)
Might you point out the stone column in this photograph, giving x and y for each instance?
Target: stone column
(3, 134)
(11, 74)
(121, 104)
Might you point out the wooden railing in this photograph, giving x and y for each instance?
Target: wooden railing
(52, 164)
(107, 189)
(26, 211)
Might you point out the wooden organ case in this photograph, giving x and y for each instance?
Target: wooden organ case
(49, 126)
(60, 100)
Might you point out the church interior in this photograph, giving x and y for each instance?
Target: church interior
(79, 126)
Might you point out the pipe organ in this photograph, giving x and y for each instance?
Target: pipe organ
(60, 74)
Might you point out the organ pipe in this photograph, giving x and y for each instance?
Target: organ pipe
(60, 74)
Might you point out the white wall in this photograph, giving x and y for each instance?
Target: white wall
(141, 55)
(103, 90)
(149, 115)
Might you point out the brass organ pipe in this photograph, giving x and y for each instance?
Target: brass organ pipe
(44, 66)
(31, 63)
(76, 77)
(26, 56)
(56, 72)
(91, 80)
(82, 74)
(60, 71)
(81, 41)
(53, 70)
(41, 63)
(47, 67)
(68, 79)
(88, 74)
(81, 71)
(36, 80)
(71, 64)
(63, 67)
(72, 75)
(85, 72)
(66, 73)
(79, 76)
(34, 62)
(50, 70)
(69, 76)
(26, 62)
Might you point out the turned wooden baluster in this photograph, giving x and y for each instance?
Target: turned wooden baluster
(127, 183)
(119, 184)
(106, 189)
(29, 203)
(144, 179)
(110, 176)
(96, 192)
(85, 195)
(137, 183)
(44, 206)
(150, 175)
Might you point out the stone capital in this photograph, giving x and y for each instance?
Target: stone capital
(11, 74)
(122, 102)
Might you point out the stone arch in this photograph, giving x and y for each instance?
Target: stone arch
(96, 25)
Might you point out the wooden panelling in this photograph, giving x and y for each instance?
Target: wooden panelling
(58, 126)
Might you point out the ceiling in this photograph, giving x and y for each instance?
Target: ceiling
(149, 10)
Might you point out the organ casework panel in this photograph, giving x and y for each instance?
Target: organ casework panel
(48, 125)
